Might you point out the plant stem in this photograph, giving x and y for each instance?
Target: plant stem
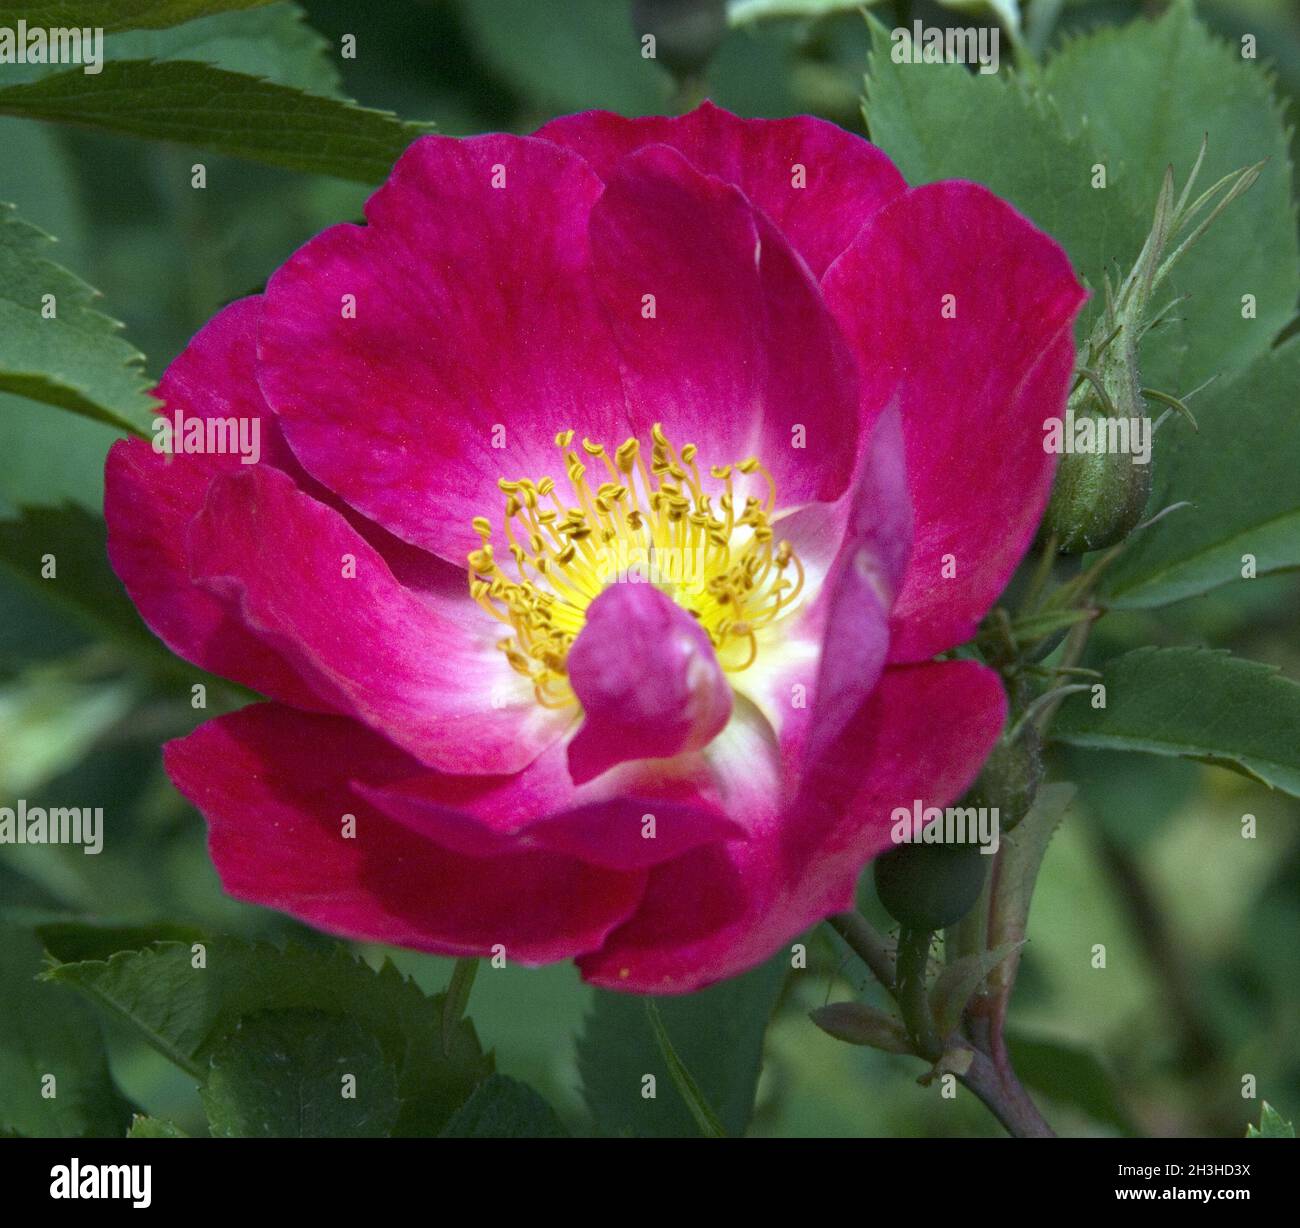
(1005, 1097)
(1042, 570)
(910, 992)
(1075, 642)
(868, 945)
(998, 1088)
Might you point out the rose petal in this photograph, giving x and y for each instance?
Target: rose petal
(420, 668)
(648, 680)
(815, 670)
(973, 390)
(150, 498)
(740, 355)
(924, 734)
(634, 816)
(476, 337)
(817, 182)
(275, 785)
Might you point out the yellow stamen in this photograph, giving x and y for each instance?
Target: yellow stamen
(651, 524)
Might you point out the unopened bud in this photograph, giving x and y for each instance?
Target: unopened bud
(1103, 480)
(686, 32)
(1011, 776)
(929, 886)
(1100, 495)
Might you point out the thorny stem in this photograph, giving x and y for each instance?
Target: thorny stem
(995, 1085)
(457, 999)
(978, 1053)
(910, 992)
(989, 1074)
(1075, 642)
(867, 944)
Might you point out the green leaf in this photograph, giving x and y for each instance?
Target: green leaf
(45, 1031)
(571, 56)
(718, 1033)
(83, 583)
(940, 121)
(1023, 850)
(29, 633)
(187, 1013)
(1070, 1074)
(73, 941)
(1271, 1125)
(958, 981)
(77, 360)
(300, 1074)
(154, 1127)
(226, 112)
(1147, 94)
(502, 1107)
(1135, 100)
(1131, 797)
(1239, 473)
(1196, 703)
(274, 43)
(114, 15)
(856, 1023)
(705, 1118)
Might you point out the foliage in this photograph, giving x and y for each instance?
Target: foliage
(161, 1008)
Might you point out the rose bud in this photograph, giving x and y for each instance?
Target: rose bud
(686, 32)
(930, 886)
(1104, 477)
(1101, 490)
(1010, 777)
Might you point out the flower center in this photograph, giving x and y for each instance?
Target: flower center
(653, 523)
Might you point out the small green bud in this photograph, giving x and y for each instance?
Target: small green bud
(1099, 497)
(930, 886)
(686, 32)
(1101, 493)
(1010, 779)
(1098, 501)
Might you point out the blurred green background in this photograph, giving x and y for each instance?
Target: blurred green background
(1201, 927)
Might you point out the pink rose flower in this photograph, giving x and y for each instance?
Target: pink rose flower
(618, 487)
